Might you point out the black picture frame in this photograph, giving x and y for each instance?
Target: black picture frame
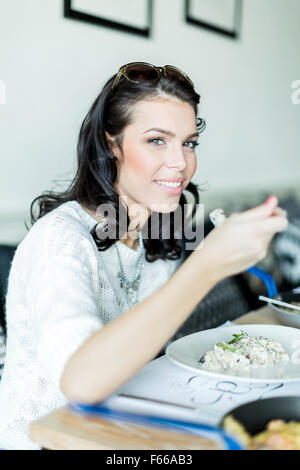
(233, 32)
(71, 12)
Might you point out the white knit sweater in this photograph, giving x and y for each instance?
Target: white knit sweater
(61, 290)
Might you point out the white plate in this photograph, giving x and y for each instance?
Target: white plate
(187, 351)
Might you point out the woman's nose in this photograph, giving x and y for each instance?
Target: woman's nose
(177, 159)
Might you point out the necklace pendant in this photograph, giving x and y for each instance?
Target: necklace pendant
(136, 283)
(132, 295)
(131, 287)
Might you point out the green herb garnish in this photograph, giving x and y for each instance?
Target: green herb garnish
(233, 341)
(224, 346)
(238, 337)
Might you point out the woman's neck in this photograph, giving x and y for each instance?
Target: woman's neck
(128, 241)
(133, 244)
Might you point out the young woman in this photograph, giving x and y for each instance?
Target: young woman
(86, 311)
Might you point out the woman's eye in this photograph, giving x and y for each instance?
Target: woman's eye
(193, 144)
(154, 141)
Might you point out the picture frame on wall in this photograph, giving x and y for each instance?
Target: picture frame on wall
(130, 16)
(219, 16)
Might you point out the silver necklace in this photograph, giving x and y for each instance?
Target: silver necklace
(131, 287)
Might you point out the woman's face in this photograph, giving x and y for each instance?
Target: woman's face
(158, 145)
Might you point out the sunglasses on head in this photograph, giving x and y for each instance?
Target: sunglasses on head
(137, 72)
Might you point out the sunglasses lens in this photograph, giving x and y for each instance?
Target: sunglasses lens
(139, 72)
(173, 72)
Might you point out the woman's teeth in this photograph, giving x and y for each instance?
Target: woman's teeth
(169, 184)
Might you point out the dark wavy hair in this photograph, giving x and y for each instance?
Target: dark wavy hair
(93, 183)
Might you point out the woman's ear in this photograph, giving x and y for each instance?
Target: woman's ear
(111, 141)
(113, 145)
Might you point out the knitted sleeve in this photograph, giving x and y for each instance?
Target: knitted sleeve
(64, 310)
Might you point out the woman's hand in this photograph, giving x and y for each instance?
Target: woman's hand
(244, 238)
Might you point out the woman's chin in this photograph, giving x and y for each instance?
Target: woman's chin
(165, 208)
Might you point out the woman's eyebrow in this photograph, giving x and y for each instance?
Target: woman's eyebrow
(163, 131)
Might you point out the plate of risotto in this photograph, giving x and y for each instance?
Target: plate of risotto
(251, 353)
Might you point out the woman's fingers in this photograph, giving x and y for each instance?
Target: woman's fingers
(274, 224)
(280, 211)
(262, 211)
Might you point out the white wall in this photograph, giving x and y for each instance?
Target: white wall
(54, 67)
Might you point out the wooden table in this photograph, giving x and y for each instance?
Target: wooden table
(263, 316)
(62, 430)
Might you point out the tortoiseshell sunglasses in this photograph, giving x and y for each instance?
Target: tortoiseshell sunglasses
(139, 71)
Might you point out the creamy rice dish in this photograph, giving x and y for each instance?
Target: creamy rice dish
(244, 351)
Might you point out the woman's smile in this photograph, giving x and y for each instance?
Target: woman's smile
(171, 188)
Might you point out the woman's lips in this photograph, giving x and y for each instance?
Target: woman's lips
(170, 190)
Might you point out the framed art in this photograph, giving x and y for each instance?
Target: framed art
(219, 16)
(130, 16)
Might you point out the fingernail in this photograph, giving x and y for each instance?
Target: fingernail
(270, 199)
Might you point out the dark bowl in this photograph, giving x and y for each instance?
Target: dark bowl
(287, 317)
(255, 415)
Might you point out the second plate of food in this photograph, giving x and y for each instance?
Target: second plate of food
(248, 353)
(267, 424)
